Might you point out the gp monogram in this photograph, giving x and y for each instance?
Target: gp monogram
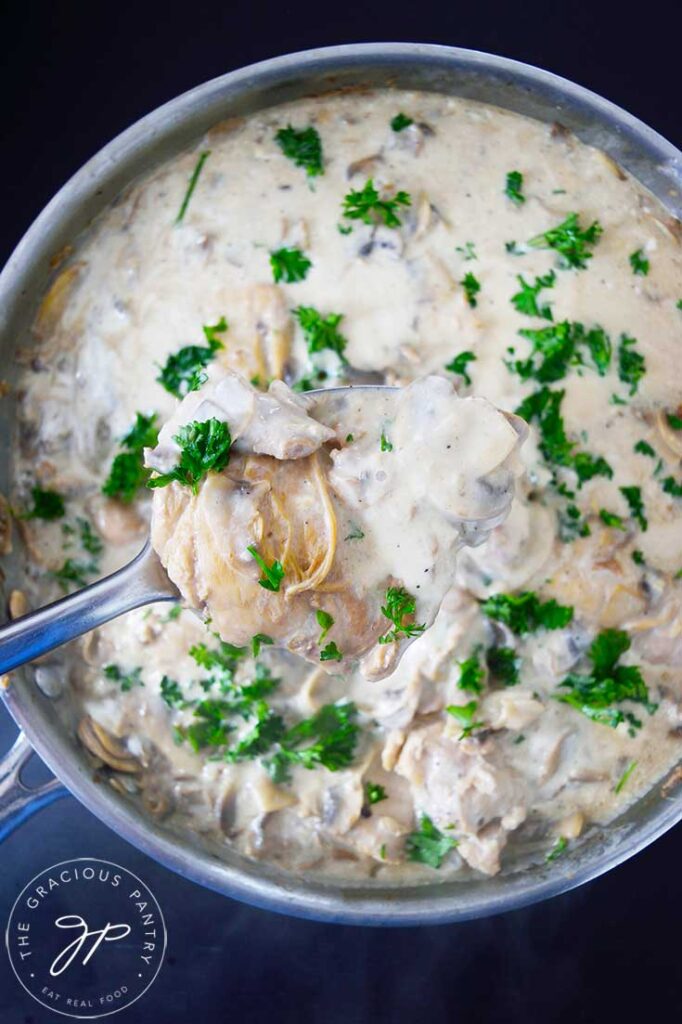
(86, 938)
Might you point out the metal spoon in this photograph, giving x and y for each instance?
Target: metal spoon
(142, 581)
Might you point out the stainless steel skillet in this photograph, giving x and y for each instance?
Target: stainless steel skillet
(157, 137)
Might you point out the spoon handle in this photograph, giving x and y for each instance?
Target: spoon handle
(140, 582)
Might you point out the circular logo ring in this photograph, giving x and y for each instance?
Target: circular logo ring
(86, 938)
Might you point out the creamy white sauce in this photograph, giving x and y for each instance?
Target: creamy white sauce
(140, 287)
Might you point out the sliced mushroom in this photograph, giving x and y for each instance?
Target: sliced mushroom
(54, 303)
(671, 437)
(5, 526)
(106, 747)
(116, 522)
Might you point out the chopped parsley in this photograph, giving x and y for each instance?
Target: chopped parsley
(192, 184)
(571, 524)
(76, 572)
(644, 448)
(375, 793)
(325, 621)
(558, 848)
(544, 406)
(171, 693)
(334, 734)
(386, 445)
(471, 674)
(638, 557)
(631, 364)
(633, 496)
(459, 365)
(639, 263)
(622, 781)
(399, 605)
(289, 265)
(126, 680)
(90, 541)
(513, 187)
(611, 519)
(303, 146)
(570, 241)
(465, 715)
(503, 665)
(671, 487)
(182, 370)
(272, 574)
(204, 448)
(471, 288)
(526, 300)
(128, 473)
(257, 641)
(468, 251)
(427, 845)
(47, 504)
(355, 533)
(525, 612)
(331, 653)
(400, 122)
(558, 347)
(608, 684)
(321, 332)
(368, 206)
(675, 422)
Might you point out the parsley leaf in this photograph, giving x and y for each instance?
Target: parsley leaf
(375, 793)
(368, 206)
(289, 265)
(674, 421)
(459, 365)
(608, 684)
(670, 486)
(334, 734)
(633, 496)
(204, 448)
(513, 187)
(644, 448)
(126, 679)
(272, 574)
(526, 300)
(198, 167)
(399, 604)
(503, 665)
(321, 332)
(558, 347)
(558, 848)
(620, 785)
(76, 572)
(611, 519)
(90, 541)
(355, 533)
(331, 652)
(47, 504)
(128, 472)
(303, 146)
(639, 263)
(471, 288)
(544, 406)
(325, 621)
(428, 845)
(631, 364)
(464, 715)
(468, 251)
(257, 640)
(385, 444)
(471, 674)
(171, 693)
(570, 241)
(268, 729)
(182, 370)
(401, 121)
(525, 612)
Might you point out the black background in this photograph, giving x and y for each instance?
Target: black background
(75, 74)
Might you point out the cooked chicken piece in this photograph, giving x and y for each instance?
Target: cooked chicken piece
(336, 553)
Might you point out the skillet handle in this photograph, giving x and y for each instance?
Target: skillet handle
(17, 801)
